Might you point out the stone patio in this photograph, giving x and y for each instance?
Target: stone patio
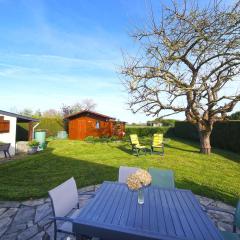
(31, 219)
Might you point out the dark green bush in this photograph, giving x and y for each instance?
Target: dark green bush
(225, 134)
(186, 130)
(146, 131)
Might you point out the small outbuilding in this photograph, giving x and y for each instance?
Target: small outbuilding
(8, 128)
(88, 123)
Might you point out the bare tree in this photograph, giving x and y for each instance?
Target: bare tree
(187, 57)
(51, 113)
(85, 104)
(88, 104)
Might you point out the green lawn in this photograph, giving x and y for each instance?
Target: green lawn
(215, 176)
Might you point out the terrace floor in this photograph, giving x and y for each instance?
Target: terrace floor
(31, 219)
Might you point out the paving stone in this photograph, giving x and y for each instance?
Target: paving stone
(24, 215)
(204, 201)
(16, 228)
(11, 236)
(2, 210)
(224, 226)
(30, 223)
(47, 200)
(221, 216)
(47, 226)
(10, 212)
(28, 233)
(32, 203)
(46, 220)
(50, 231)
(39, 236)
(4, 224)
(225, 206)
(42, 211)
(9, 204)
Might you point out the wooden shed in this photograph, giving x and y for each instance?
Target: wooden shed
(88, 123)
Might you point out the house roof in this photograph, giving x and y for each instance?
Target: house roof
(88, 112)
(20, 118)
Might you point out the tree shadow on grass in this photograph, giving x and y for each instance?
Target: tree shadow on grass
(224, 153)
(207, 191)
(181, 149)
(35, 175)
(125, 149)
(130, 152)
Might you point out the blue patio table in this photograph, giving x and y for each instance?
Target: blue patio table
(167, 214)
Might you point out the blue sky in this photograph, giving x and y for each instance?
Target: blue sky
(57, 51)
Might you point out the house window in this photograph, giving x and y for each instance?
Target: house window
(97, 125)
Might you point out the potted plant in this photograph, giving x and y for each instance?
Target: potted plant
(33, 146)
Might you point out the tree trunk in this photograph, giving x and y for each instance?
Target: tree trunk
(205, 130)
(205, 145)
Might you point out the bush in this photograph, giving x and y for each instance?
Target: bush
(145, 131)
(186, 130)
(225, 134)
(51, 125)
(33, 143)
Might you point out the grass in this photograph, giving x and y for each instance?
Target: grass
(215, 176)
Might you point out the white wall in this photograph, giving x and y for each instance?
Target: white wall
(9, 137)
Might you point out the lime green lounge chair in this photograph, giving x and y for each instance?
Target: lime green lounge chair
(157, 143)
(162, 178)
(136, 145)
(236, 223)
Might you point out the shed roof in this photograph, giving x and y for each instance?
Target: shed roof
(20, 118)
(88, 112)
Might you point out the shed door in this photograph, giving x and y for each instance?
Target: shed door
(81, 130)
(77, 129)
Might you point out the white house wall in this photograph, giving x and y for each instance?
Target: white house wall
(9, 137)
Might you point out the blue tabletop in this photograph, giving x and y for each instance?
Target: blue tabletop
(166, 214)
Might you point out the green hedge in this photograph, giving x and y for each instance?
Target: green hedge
(146, 131)
(225, 134)
(186, 130)
(51, 125)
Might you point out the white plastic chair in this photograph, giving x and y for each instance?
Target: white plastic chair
(124, 172)
(65, 205)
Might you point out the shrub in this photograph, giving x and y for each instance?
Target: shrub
(90, 139)
(33, 143)
(51, 125)
(186, 130)
(145, 131)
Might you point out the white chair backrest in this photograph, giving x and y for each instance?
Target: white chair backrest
(124, 172)
(64, 197)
